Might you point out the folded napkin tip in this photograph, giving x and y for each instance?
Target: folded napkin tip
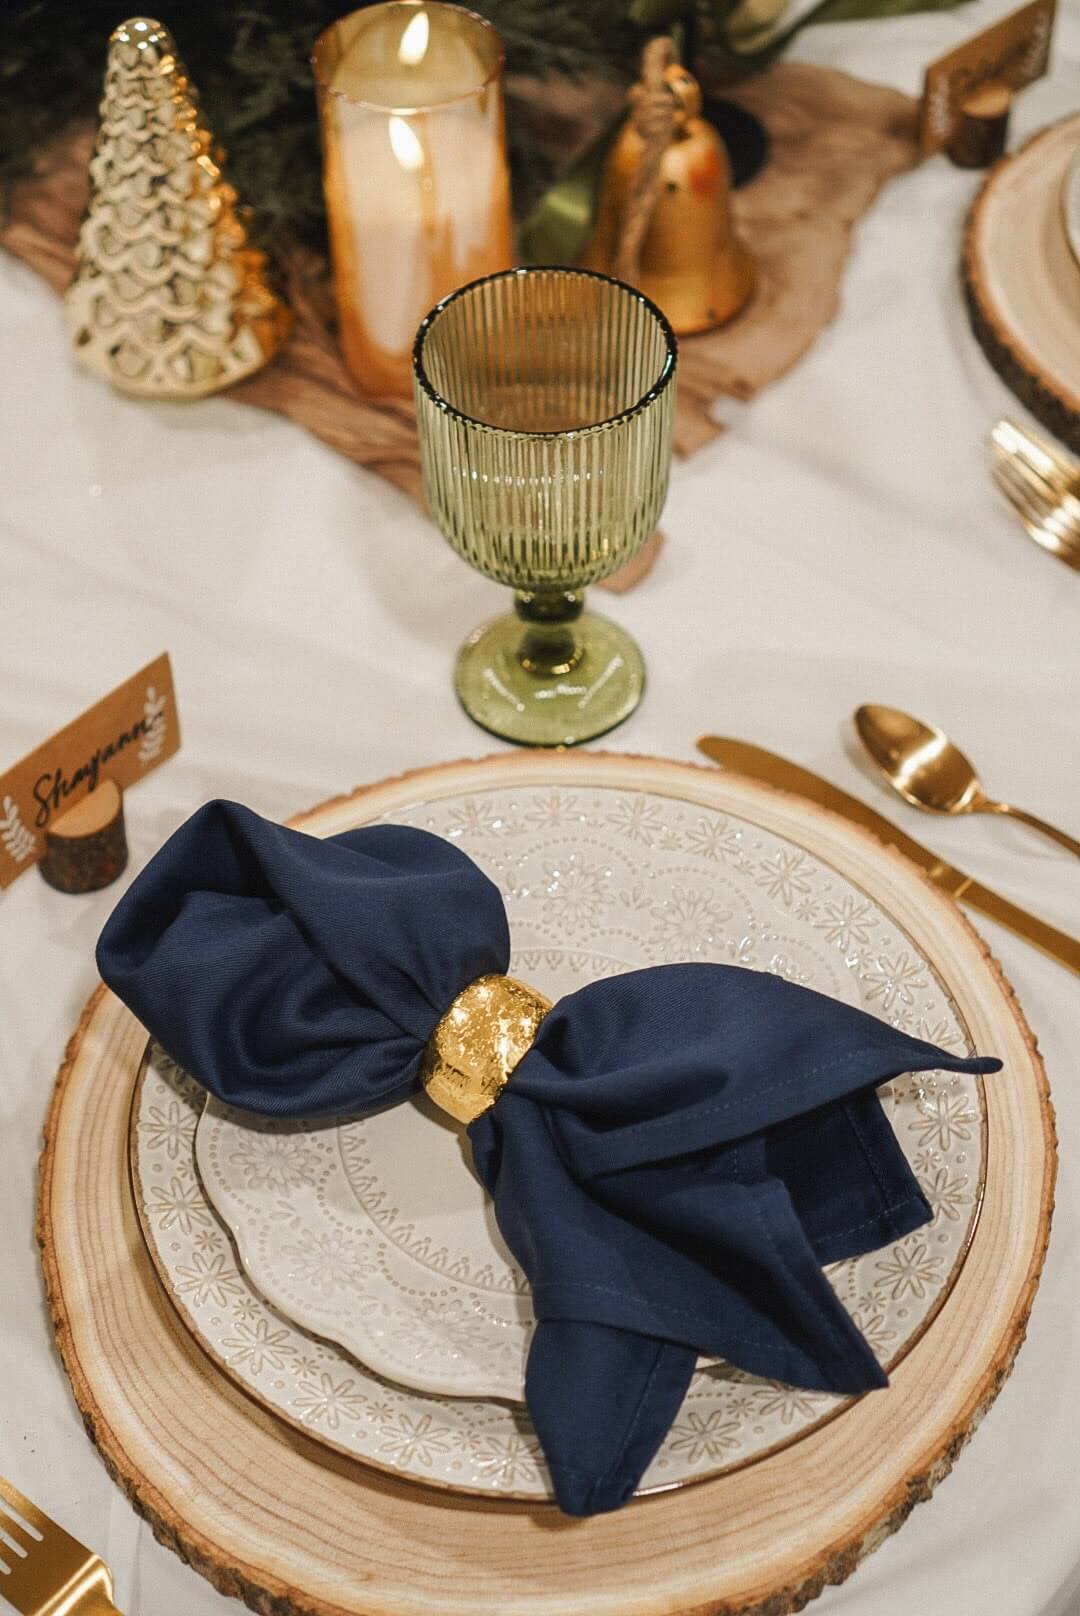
(580, 1495)
(868, 1376)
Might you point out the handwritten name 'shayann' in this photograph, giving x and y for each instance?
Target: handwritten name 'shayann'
(53, 787)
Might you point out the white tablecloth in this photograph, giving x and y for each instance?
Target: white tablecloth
(840, 543)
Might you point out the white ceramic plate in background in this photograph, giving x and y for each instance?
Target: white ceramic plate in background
(1070, 205)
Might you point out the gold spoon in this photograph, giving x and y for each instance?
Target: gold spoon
(924, 766)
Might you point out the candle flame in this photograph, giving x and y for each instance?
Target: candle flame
(414, 41)
(407, 148)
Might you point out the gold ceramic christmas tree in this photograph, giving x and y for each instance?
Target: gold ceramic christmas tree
(168, 299)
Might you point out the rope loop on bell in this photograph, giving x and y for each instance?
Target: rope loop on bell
(654, 111)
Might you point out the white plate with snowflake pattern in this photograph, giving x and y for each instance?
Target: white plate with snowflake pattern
(464, 1444)
(373, 1232)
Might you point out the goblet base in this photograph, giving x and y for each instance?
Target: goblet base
(533, 708)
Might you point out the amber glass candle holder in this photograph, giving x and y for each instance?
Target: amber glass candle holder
(545, 400)
(414, 171)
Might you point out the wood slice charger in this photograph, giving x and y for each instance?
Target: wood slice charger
(1022, 282)
(297, 1530)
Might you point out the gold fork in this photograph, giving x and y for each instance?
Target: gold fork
(1043, 487)
(48, 1573)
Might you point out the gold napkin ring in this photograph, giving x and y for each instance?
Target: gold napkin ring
(487, 1030)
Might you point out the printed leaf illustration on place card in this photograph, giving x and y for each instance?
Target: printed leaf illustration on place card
(129, 732)
(1014, 52)
(153, 742)
(18, 841)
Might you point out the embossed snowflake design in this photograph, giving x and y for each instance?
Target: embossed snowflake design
(943, 1120)
(909, 1270)
(286, 1213)
(638, 819)
(475, 817)
(180, 1206)
(174, 1080)
(325, 1259)
(940, 1032)
(258, 1346)
(276, 1161)
(507, 1459)
(169, 1128)
(551, 810)
(704, 1436)
(782, 963)
(575, 891)
(788, 1403)
(947, 1194)
(847, 922)
(636, 899)
(689, 923)
(715, 839)
(440, 1324)
(785, 876)
(894, 979)
(324, 1401)
(414, 1440)
(872, 1321)
(208, 1279)
(247, 1310)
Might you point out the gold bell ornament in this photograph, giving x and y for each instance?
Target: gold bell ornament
(664, 218)
(168, 299)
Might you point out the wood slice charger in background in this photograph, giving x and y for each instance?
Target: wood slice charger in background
(279, 1520)
(1022, 282)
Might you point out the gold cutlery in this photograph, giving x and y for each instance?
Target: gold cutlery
(922, 764)
(47, 1573)
(1043, 487)
(758, 764)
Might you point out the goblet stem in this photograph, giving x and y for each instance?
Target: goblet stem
(548, 646)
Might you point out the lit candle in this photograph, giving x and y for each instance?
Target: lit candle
(417, 189)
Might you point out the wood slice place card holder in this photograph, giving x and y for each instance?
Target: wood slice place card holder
(967, 94)
(62, 807)
(982, 126)
(86, 847)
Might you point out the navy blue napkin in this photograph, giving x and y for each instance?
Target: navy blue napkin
(671, 1163)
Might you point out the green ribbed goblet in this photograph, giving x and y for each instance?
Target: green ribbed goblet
(545, 400)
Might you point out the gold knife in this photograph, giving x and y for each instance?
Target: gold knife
(754, 761)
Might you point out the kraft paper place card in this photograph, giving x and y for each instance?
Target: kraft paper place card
(1013, 52)
(128, 733)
